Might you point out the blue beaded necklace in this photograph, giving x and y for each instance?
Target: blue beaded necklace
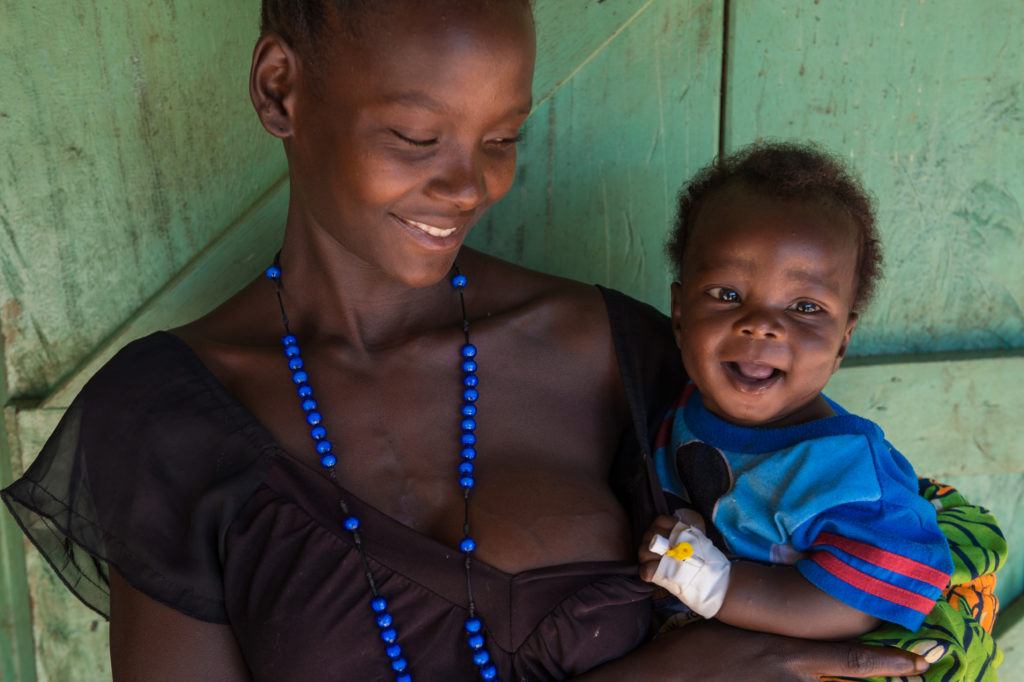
(467, 453)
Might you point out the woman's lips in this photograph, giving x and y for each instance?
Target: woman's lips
(433, 237)
(432, 230)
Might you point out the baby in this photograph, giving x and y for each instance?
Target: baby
(800, 519)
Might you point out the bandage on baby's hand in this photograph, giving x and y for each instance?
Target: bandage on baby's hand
(692, 569)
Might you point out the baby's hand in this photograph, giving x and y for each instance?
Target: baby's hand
(663, 525)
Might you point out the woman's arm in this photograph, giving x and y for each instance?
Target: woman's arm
(153, 642)
(709, 651)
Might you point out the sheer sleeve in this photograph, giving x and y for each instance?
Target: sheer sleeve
(144, 472)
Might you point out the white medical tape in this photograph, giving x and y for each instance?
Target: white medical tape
(699, 581)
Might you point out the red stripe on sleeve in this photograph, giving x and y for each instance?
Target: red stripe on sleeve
(665, 430)
(866, 583)
(883, 559)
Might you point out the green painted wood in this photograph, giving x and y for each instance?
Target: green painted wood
(129, 143)
(17, 653)
(926, 101)
(230, 262)
(604, 156)
(1009, 632)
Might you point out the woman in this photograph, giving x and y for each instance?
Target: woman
(242, 547)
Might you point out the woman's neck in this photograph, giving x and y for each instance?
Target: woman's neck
(331, 293)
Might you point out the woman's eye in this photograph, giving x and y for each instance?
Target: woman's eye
(413, 141)
(507, 141)
(806, 307)
(724, 294)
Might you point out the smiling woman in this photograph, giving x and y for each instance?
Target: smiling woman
(476, 510)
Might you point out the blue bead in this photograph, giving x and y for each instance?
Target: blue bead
(308, 405)
(299, 377)
(389, 635)
(468, 453)
(466, 468)
(468, 410)
(328, 461)
(305, 391)
(468, 366)
(481, 657)
(468, 424)
(393, 651)
(476, 641)
(314, 418)
(469, 351)
(459, 281)
(292, 351)
(467, 545)
(471, 381)
(384, 620)
(324, 446)
(351, 523)
(399, 665)
(466, 482)
(489, 673)
(273, 272)
(318, 433)
(471, 394)
(468, 439)
(295, 363)
(379, 604)
(473, 625)
(289, 340)
(404, 677)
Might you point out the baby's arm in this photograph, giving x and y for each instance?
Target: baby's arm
(774, 599)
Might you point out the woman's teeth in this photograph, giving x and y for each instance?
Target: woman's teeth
(430, 229)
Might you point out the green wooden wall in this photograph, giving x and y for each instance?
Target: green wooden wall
(137, 191)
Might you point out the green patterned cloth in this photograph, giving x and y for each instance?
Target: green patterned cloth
(956, 635)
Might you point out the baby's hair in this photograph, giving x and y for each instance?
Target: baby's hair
(785, 170)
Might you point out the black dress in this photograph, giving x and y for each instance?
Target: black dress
(156, 470)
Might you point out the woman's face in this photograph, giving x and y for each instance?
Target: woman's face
(408, 133)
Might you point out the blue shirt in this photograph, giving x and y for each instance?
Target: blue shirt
(831, 496)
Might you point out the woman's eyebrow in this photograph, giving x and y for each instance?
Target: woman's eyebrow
(415, 98)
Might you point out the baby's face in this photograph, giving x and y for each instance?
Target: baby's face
(763, 314)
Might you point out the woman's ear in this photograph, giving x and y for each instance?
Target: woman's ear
(851, 324)
(677, 313)
(272, 84)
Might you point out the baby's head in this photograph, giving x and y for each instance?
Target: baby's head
(775, 255)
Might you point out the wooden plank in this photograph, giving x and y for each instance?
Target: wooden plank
(129, 143)
(603, 157)
(17, 650)
(229, 263)
(925, 100)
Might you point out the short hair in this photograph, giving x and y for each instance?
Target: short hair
(302, 23)
(785, 171)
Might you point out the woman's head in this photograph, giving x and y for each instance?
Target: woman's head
(399, 124)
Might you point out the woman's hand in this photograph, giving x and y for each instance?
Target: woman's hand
(709, 651)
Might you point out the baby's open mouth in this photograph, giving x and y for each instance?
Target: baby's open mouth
(754, 376)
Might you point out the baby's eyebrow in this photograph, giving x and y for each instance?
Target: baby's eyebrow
(814, 278)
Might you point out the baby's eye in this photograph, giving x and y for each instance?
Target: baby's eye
(806, 307)
(724, 294)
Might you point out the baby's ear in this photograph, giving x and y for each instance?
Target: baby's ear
(677, 313)
(851, 324)
(272, 82)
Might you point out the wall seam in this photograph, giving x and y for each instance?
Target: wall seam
(723, 82)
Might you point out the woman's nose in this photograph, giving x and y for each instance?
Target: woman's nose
(760, 324)
(461, 181)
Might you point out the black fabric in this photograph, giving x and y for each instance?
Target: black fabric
(155, 469)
